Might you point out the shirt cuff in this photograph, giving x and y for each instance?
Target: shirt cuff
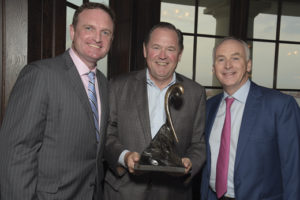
(121, 158)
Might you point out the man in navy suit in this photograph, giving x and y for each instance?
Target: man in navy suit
(264, 142)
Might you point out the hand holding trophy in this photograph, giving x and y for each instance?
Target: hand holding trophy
(161, 153)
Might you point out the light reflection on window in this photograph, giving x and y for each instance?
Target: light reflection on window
(204, 64)
(288, 66)
(182, 16)
(263, 63)
(290, 21)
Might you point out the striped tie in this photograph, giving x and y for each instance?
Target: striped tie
(93, 101)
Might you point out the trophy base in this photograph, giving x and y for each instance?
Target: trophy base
(152, 168)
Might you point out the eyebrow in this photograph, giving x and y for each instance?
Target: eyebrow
(236, 54)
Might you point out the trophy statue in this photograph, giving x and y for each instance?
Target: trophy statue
(161, 153)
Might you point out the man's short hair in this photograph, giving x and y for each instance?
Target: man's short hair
(245, 45)
(167, 26)
(93, 5)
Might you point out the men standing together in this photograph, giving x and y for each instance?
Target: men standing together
(55, 134)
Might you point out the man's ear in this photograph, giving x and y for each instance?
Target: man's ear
(144, 50)
(180, 54)
(249, 66)
(72, 32)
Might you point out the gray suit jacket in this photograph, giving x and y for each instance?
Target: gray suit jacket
(129, 128)
(48, 145)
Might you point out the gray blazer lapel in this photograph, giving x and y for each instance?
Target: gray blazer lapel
(76, 83)
(142, 104)
(248, 121)
(102, 85)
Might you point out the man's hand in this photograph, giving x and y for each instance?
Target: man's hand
(131, 158)
(187, 164)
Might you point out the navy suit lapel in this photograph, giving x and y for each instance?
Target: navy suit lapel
(248, 121)
(212, 109)
(142, 104)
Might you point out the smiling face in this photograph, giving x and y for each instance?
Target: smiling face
(92, 36)
(162, 53)
(230, 66)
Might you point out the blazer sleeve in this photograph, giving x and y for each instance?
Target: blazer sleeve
(21, 136)
(288, 132)
(112, 139)
(197, 150)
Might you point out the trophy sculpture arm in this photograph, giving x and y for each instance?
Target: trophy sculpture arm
(177, 90)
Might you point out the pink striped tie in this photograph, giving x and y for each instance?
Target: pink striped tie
(223, 158)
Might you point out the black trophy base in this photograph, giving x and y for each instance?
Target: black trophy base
(153, 168)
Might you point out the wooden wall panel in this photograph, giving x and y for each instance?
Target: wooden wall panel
(1, 52)
(47, 28)
(134, 20)
(15, 44)
(120, 55)
(146, 15)
(30, 30)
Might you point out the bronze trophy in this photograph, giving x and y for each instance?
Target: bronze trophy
(161, 153)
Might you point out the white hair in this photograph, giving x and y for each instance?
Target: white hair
(245, 45)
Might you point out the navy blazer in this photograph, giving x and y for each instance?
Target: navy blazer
(267, 164)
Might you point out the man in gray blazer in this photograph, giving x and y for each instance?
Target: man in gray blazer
(51, 140)
(136, 114)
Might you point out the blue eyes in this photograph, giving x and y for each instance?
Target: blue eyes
(106, 33)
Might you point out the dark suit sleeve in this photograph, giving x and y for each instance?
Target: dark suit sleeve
(196, 151)
(288, 132)
(113, 144)
(21, 136)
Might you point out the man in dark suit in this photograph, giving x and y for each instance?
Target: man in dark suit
(260, 158)
(52, 137)
(136, 114)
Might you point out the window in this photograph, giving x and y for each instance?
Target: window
(72, 5)
(273, 34)
(203, 23)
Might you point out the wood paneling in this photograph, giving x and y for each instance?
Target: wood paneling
(47, 28)
(14, 42)
(134, 20)
(239, 18)
(30, 30)
(120, 54)
(147, 14)
(2, 61)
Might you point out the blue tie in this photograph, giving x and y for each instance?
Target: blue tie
(93, 101)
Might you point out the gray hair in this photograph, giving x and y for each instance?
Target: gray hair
(243, 43)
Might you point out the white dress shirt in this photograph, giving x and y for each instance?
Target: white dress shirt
(237, 110)
(156, 105)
